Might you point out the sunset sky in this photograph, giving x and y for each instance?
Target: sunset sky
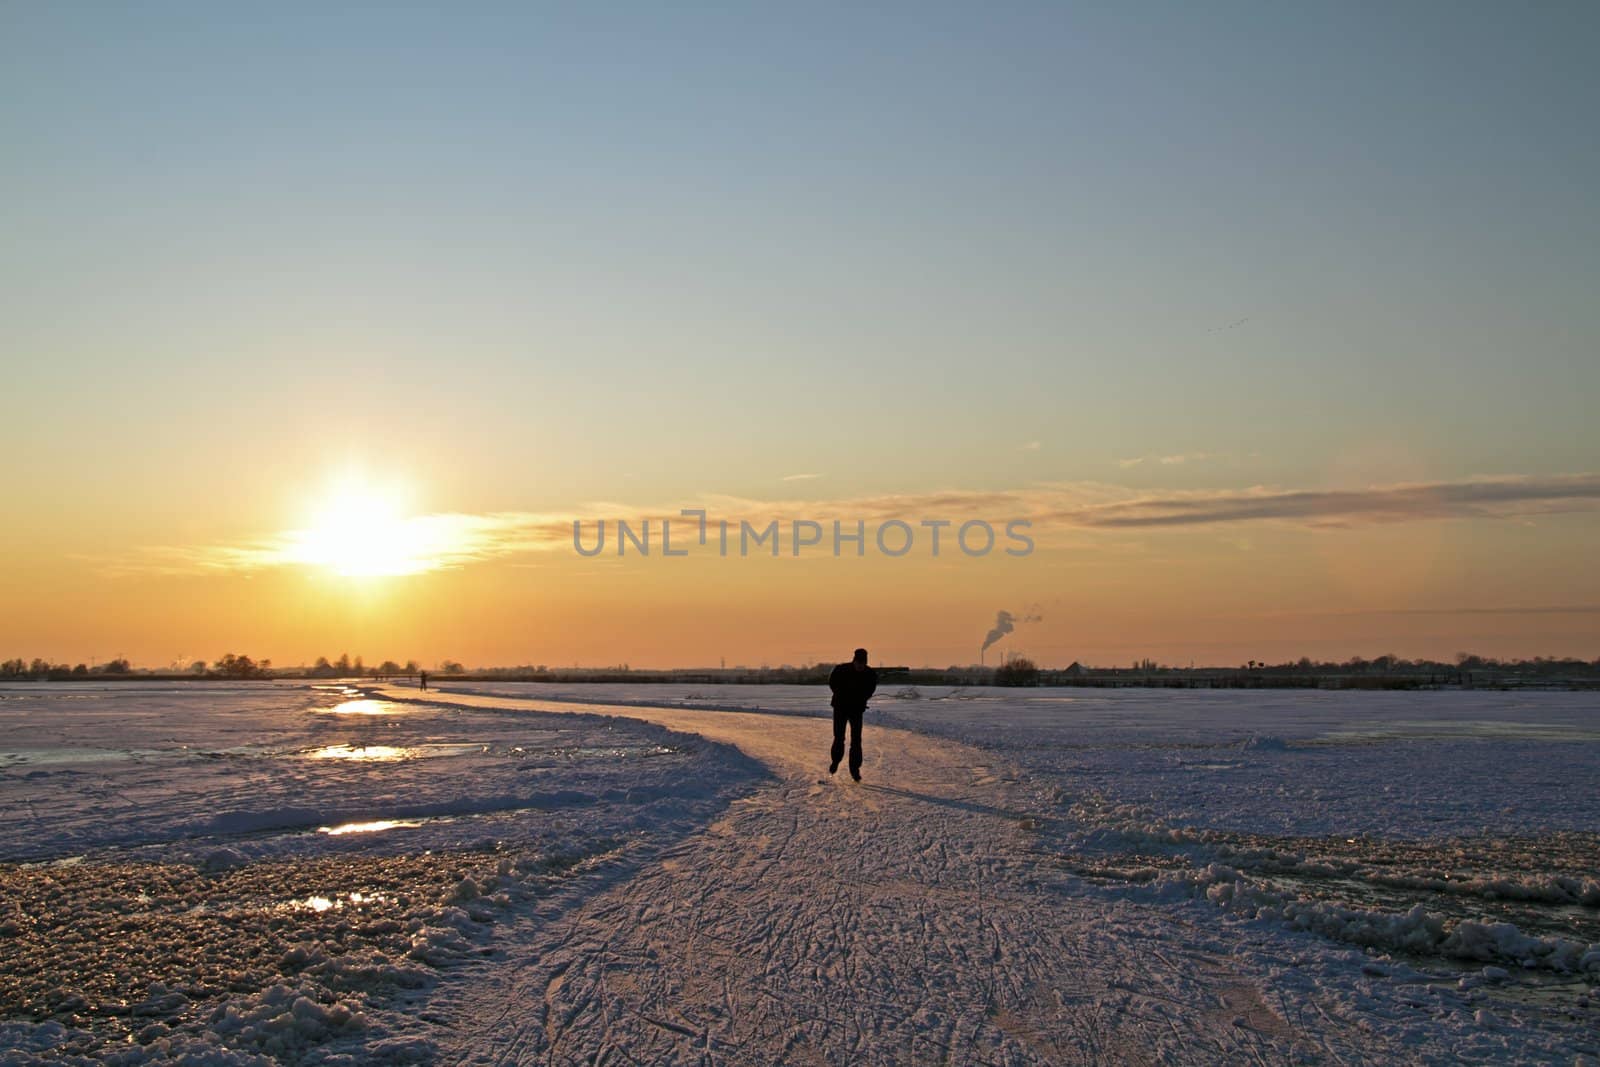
(1278, 322)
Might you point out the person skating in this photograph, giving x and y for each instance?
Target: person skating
(853, 684)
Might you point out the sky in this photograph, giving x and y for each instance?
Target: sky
(321, 324)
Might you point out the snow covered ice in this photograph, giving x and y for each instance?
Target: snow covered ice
(286, 870)
(547, 873)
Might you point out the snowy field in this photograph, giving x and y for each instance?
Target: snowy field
(315, 873)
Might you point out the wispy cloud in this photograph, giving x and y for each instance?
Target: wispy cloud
(1504, 497)
(799, 477)
(1166, 461)
(1031, 446)
(416, 545)
(450, 540)
(1573, 609)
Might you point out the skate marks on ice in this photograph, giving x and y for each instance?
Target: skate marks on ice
(901, 920)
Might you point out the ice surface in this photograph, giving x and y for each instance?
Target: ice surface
(154, 768)
(1410, 764)
(253, 873)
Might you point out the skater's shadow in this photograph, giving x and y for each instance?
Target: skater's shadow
(951, 802)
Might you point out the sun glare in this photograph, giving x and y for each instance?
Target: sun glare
(362, 531)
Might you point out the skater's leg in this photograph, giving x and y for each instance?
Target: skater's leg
(838, 739)
(855, 745)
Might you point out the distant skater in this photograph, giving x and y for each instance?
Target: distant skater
(853, 684)
(422, 679)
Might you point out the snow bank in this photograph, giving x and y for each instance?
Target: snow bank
(1416, 931)
(247, 968)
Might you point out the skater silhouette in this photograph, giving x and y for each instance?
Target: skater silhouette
(853, 684)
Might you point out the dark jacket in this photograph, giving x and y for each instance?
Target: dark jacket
(852, 688)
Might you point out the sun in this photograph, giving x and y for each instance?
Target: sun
(361, 530)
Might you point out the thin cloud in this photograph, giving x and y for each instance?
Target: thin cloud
(442, 541)
(1572, 609)
(1031, 446)
(453, 540)
(1498, 498)
(799, 477)
(1166, 461)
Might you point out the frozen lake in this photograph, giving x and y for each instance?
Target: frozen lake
(1479, 806)
(1446, 841)
(168, 771)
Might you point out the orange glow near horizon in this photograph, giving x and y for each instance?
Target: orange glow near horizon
(367, 571)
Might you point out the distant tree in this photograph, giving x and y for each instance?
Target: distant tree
(1019, 671)
(387, 669)
(115, 666)
(13, 668)
(450, 666)
(240, 667)
(197, 667)
(412, 666)
(39, 667)
(80, 670)
(357, 669)
(343, 666)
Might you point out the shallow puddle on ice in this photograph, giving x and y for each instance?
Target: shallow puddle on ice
(374, 827)
(365, 706)
(367, 753)
(33, 756)
(393, 753)
(342, 690)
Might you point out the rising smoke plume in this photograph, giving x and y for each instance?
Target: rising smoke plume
(1004, 623)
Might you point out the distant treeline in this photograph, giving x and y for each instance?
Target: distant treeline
(230, 666)
(1382, 672)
